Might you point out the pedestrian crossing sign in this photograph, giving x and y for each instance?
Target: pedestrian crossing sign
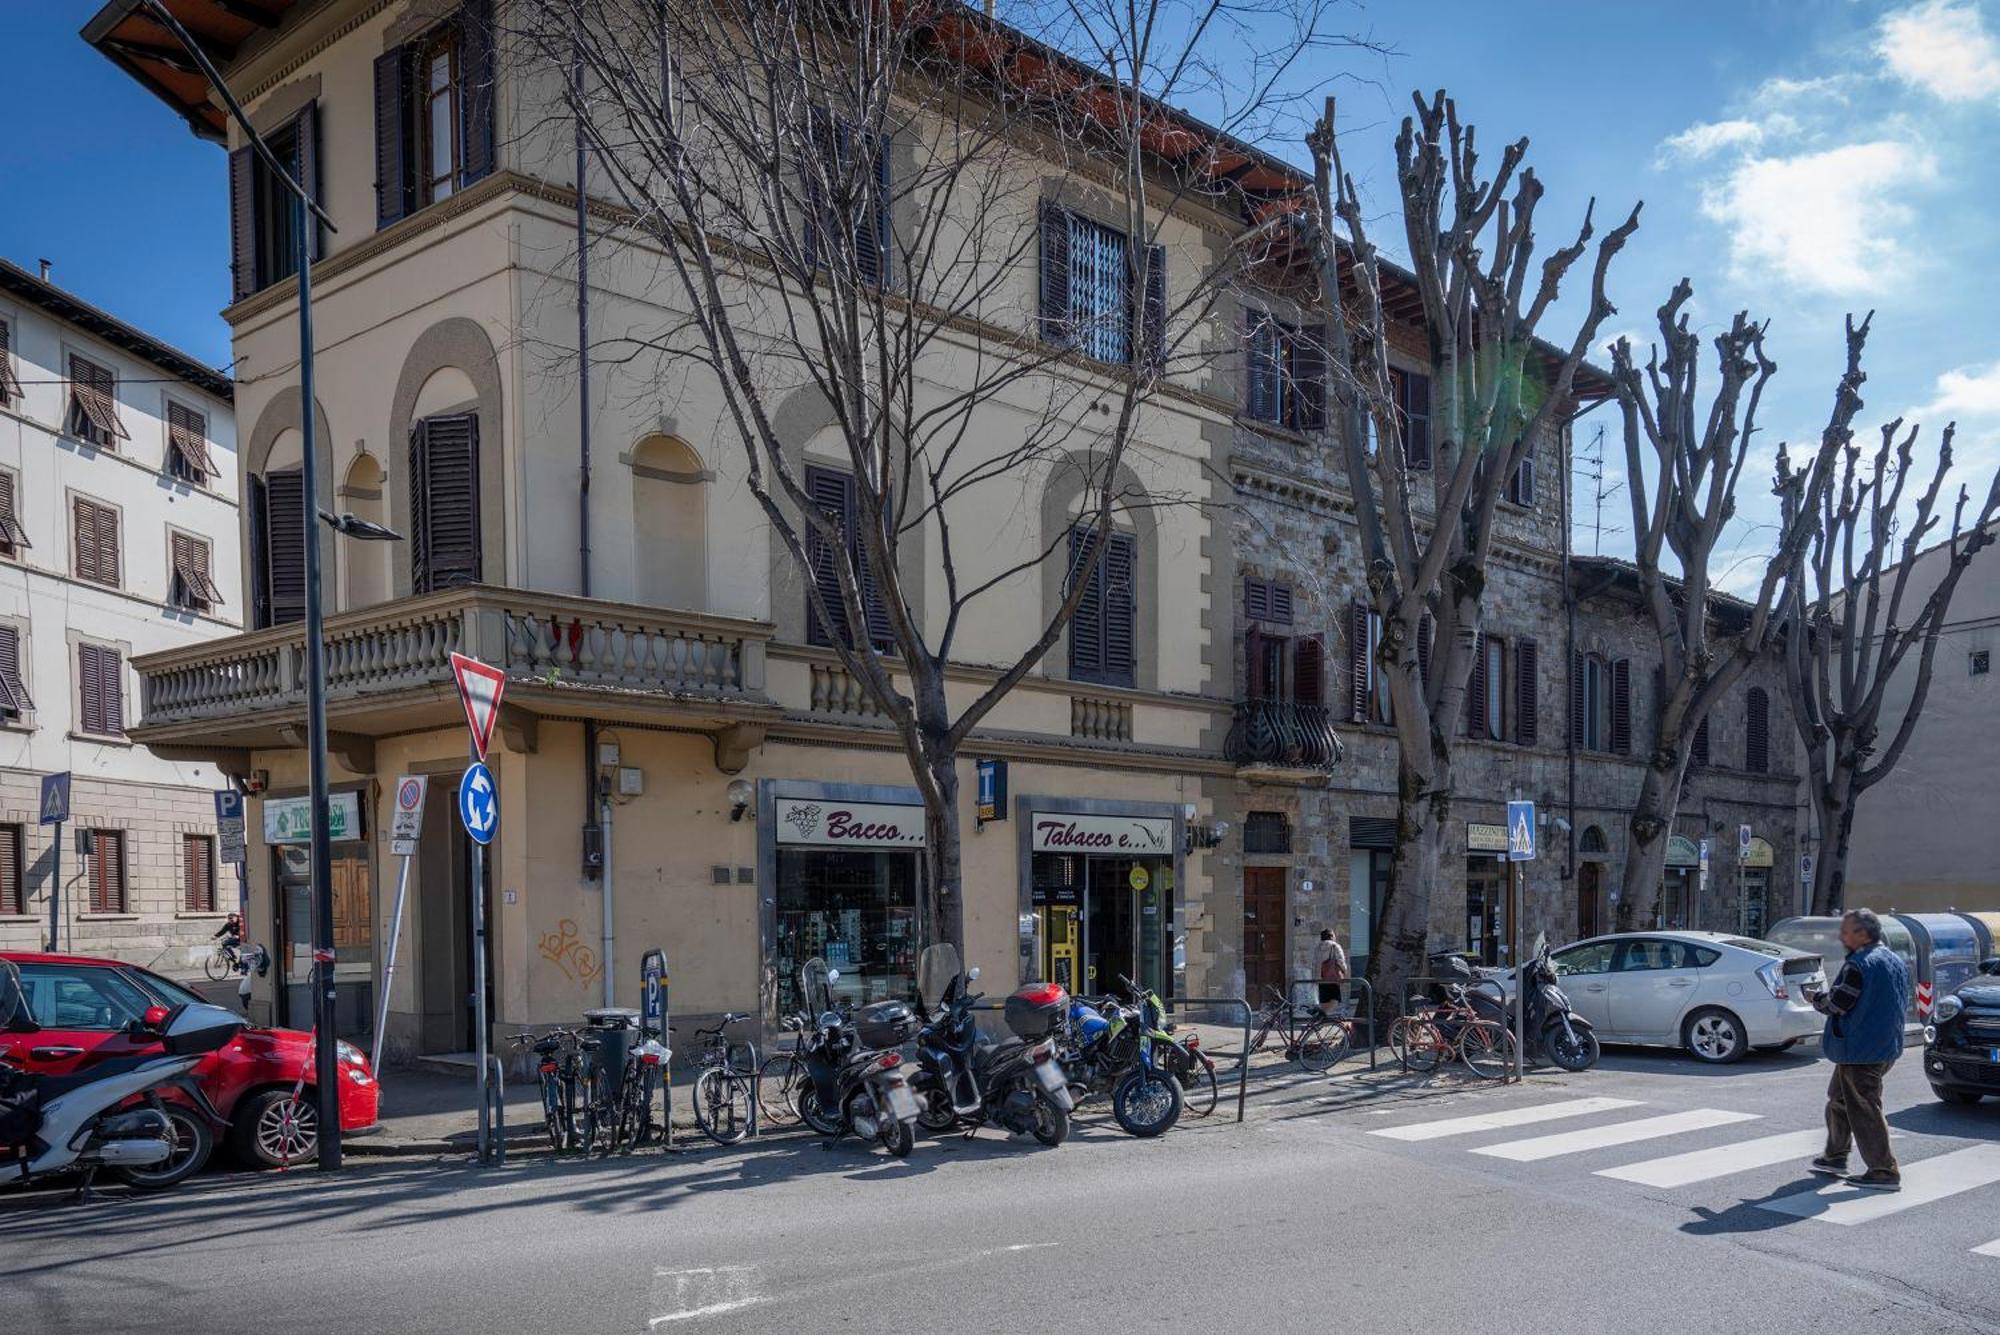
(1520, 831)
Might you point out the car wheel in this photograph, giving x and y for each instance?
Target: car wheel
(271, 1130)
(1715, 1036)
(1962, 1098)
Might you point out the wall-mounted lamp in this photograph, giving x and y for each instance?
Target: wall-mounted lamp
(1206, 836)
(740, 793)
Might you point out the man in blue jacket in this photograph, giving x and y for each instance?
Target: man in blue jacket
(1864, 1036)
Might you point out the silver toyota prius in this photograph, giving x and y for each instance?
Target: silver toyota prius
(1718, 996)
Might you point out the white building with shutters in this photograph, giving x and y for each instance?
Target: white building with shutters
(118, 537)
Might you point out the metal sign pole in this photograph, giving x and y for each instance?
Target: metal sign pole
(479, 983)
(389, 967)
(55, 887)
(1520, 971)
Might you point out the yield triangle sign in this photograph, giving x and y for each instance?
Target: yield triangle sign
(479, 690)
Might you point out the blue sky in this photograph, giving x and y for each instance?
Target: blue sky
(1798, 158)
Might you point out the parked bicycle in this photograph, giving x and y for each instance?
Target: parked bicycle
(1305, 1033)
(781, 1077)
(1454, 1029)
(725, 1092)
(558, 1067)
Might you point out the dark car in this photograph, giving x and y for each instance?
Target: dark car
(1962, 1042)
(83, 1005)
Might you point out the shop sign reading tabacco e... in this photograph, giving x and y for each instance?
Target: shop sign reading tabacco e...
(826, 823)
(1065, 832)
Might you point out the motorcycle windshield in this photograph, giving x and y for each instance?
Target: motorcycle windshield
(13, 1002)
(937, 968)
(815, 988)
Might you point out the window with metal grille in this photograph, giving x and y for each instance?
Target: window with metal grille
(1103, 638)
(13, 538)
(100, 677)
(13, 867)
(187, 445)
(93, 405)
(107, 870)
(189, 585)
(14, 699)
(1087, 289)
(10, 387)
(1267, 832)
(198, 873)
(96, 541)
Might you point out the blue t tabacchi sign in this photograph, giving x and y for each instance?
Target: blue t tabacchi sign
(478, 807)
(1520, 831)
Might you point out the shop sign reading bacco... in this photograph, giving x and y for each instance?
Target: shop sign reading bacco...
(1063, 832)
(822, 823)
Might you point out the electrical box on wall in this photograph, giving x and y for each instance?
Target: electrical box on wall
(593, 850)
(607, 755)
(631, 781)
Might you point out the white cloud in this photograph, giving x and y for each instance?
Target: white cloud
(1829, 221)
(1968, 392)
(1942, 47)
(1705, 139)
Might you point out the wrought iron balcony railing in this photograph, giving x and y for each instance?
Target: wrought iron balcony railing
(1283, 734)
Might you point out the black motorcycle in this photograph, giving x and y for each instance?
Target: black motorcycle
(857, 1081)
(965, 1079)
(1563, 1036)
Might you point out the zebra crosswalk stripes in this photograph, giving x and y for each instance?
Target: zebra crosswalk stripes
(1618, 1133)
(1925, 1181)
(1500, 1121)
(1989, 1249)
(1678, 1170)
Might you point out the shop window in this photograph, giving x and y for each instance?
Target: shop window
(1267, 832)
(854, 908)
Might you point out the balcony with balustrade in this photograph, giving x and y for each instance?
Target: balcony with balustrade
(388, 670)
(1282, 741)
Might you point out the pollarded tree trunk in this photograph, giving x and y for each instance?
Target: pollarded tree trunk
(1646, 837)
(1401, 937)
(941, 855)
(1833, 807)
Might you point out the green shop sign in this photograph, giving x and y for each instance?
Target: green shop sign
(288, 820)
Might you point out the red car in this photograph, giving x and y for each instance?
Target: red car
(81, 1006)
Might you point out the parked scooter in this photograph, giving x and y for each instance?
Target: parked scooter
(1109, 1047)
(966, 1079)
(1564, 1037)
(858, 1083)
(55, 1124)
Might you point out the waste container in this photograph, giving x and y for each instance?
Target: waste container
(1988, 927)
(1948, 945)
(1821, 935)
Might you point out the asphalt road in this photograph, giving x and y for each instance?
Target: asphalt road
(1664, 1204)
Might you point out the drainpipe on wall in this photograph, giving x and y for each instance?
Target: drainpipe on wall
(610, 955)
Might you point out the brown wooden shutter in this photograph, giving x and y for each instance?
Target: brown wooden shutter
(1426, 634)
(1055, 276)
(100, 681)
(13, 538)
(1256, 600)
(1527, 692)
(198, 873)
(1698, 753)
(187, 437)
(1621, 706)
(1476, 689)
(476, 75)
(94, 395)
(284, 554)
(1260, 366)
(1281, 604)
(444, 503)
(107, 871)
(242, 223)
(1578, 735)
(1309, 671)
(96, 542)
(392, 136)
(11, 897)
(1253, 663)
(1757, 732)
(1309, 371)
(10, 384)
(1357, 660)
(305, 135)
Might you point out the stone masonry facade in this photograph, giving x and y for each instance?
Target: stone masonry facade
(157, 928)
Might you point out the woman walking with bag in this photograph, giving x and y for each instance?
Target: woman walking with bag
(1332, 960)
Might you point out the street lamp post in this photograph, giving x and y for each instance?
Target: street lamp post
(326, 1065)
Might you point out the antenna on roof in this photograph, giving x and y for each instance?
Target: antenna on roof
(1590, 463)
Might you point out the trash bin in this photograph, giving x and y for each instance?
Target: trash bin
(615, 1028)
(1821, 936)
(1949, 946)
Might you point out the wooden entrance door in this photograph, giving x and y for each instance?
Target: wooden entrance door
(1589, 892)
(1265, 917)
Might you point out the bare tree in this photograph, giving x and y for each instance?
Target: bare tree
(1682, 470)
(848, 203)
(1498, 393)
(1846, 639)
